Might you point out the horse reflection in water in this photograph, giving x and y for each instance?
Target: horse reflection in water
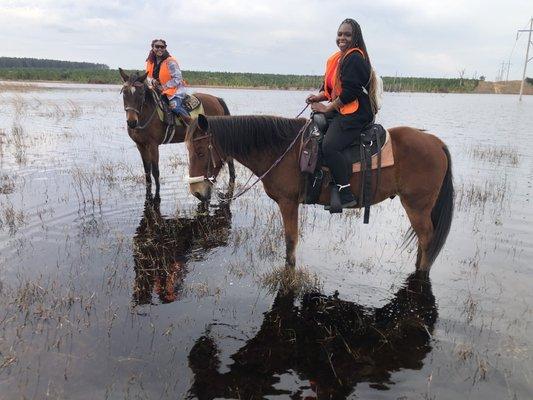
(331, 343)
(162, 246)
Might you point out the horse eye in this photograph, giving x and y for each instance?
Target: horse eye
(200, 154)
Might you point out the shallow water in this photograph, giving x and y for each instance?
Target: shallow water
(104, 296)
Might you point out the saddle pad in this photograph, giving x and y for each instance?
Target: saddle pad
(194, 114)
(387, 157)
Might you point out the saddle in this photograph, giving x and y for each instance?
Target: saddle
(372, 151)
(191, 103)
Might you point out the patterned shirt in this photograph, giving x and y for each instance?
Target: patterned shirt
(176, 80)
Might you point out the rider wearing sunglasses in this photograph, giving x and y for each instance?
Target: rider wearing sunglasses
(166, 75)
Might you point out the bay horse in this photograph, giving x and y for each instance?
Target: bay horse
(421, 175)
(148, 132)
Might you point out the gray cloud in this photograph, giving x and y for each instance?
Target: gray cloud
(404, 37)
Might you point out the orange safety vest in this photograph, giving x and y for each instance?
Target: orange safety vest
(332, 81)
(164, 74)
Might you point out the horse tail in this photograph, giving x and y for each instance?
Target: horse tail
(224, 106)
(442, 212)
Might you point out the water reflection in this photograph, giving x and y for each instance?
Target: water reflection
(162, 246)
(324, 344)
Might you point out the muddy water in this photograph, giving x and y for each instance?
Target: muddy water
(104, 296)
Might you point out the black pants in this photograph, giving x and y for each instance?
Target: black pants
(336, 140)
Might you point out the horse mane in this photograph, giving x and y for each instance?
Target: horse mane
(243, 135)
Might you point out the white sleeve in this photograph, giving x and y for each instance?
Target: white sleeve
(175, 73)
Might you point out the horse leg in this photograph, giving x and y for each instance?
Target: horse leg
(145, 156)
(421, 223)
(231, 169)
(289, 213)
(154, 153)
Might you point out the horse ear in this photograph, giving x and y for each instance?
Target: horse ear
(202, 122)
(142, 77)
(124, 76)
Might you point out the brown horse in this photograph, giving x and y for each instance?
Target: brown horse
(147, 130)
(421, 175)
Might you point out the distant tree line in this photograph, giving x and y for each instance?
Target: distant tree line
(15, 62)
(529, 80)
(242, 79)
(235, 79)
(433, 85)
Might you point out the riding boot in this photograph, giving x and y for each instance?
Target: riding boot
(341, 197)
(178, 109)
(340, 171)
(348, 199)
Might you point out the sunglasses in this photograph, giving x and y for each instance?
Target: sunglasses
(159, 46)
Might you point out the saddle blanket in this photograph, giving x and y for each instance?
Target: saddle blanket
(191, 103)
(387, 157)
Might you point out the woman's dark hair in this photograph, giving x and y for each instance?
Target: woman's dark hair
(151, 55)
(359, 42)
(357, 37)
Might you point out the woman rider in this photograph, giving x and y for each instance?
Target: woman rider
(346, 86)
(164, 68)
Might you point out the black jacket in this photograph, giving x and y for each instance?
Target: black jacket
(355, 74)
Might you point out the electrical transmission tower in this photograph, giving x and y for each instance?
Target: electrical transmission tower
(527, 55)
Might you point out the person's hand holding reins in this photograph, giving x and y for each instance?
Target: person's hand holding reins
(326, 108)
(315, 98)
(157, 85)
(154, 84)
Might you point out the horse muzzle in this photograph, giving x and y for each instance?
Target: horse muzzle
(132, 123)
(201, 190)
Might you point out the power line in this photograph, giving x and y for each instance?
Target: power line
(527, 55)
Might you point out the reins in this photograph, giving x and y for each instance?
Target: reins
(147, 122)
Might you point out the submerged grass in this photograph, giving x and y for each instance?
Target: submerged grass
(17, 140)
(294, 280)
(21, 87)
(480, 195)
(496, 155)
(7, 184)
(11, 218)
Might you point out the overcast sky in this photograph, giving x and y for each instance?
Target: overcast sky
(404, 37)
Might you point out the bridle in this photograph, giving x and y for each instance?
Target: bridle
(138, 112)
(209, 175)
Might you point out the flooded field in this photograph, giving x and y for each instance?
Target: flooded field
(104, 296)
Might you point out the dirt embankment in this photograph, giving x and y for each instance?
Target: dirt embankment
(509, 87)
